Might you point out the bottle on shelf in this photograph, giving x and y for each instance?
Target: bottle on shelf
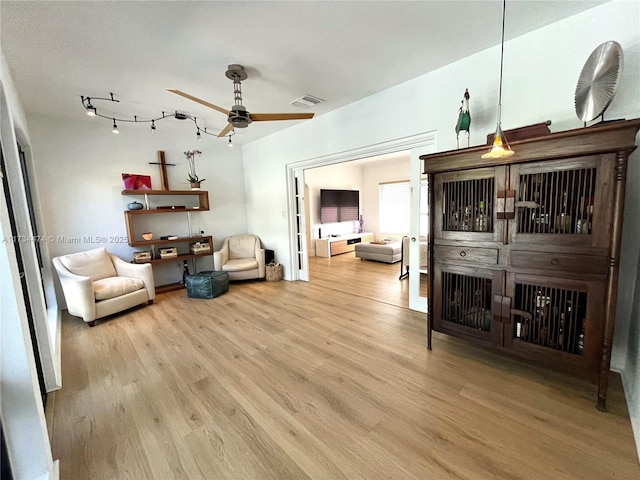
(454, 218)
(467, 221)
(563, 219)
(540, 328)
(583, 224)
(561, 332)
(580, 339)
(481, 218)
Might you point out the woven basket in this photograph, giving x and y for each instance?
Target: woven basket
(274, 272)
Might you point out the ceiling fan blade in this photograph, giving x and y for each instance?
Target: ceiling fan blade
(198, 100)
(266, 117)
(225, 130)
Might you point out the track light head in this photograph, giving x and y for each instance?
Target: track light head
(91, 110)
(153, 126)
(115, 127)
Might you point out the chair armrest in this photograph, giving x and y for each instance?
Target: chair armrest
(143, 271)
(260, 258)
(221, 257)
(78, 292)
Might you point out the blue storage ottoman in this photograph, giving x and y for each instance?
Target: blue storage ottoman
(207, 284)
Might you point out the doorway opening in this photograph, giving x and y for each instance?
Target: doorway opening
(301, 231)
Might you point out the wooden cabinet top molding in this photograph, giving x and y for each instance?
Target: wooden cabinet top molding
(598, 139)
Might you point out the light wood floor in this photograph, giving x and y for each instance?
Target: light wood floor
(328, 379)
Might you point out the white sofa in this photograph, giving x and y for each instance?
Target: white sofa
(97, 283)
(241, 256)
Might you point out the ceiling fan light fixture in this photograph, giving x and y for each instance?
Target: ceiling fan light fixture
(306, 101)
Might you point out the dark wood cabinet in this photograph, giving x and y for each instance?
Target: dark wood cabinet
(525, 250)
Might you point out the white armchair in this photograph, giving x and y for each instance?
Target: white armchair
(96, 283)
(241, 256)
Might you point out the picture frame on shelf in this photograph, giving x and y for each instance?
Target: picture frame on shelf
(135, 181)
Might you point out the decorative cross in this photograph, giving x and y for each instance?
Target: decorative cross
(163, 169)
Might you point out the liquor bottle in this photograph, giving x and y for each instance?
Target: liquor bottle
(561, 332)
(580, 341)
(467, 224)
(586, 214)
(563, 219)
(454, 218)
(481, 218)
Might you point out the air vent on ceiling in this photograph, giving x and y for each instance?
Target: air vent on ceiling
(306, 101)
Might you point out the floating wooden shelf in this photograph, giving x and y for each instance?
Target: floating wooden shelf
(130, 215)
(145, 243)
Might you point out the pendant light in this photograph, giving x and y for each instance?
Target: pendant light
(500, 147)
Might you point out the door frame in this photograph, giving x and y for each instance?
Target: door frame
(295, 172)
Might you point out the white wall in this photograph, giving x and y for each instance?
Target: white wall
(82, 162)
(540, 74)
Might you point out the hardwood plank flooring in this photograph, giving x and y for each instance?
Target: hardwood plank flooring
(327, 379)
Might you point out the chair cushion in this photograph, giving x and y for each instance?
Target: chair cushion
(94, 264)
(242, 246)
(240, 264)
(112, 287)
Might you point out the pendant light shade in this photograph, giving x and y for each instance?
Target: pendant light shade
(500, 147)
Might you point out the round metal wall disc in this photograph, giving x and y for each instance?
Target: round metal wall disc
(598, 81)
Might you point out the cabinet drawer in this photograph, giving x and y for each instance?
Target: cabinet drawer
(340, 246)
(486, 256)
(555, 261)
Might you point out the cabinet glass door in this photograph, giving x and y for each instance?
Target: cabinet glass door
(465, 304)
(564, 202)
(466, 203)
(554, 319)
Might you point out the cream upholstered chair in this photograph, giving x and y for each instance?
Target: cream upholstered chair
(241, 256)
(96, 283)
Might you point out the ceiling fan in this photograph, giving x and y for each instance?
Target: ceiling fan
(238, 116)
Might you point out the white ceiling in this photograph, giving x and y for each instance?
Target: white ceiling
(339, 51)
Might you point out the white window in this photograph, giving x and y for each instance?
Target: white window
(395, 205)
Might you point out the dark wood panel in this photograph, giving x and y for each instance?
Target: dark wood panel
(465, 255)
(597, 139)
(559, 204)
(559, 262)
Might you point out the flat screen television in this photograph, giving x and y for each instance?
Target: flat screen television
(339, 205)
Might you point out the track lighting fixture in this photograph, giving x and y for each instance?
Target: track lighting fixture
(93, 112)
(231, 133)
